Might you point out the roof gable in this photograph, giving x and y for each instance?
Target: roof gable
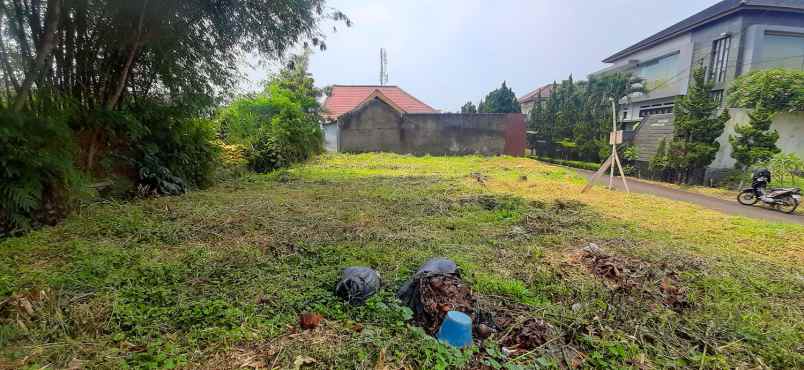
(714, 12)
(344, 99)
(543, 92)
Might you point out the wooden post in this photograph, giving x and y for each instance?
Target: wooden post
(605, 166)
(614, 138)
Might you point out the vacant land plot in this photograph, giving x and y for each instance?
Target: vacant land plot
(217, 279)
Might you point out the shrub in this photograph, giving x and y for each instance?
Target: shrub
(265, 155)
(785, 166)
(233, 160)
(175, 155)
(287, 133)
(39, 179)
(280, 125)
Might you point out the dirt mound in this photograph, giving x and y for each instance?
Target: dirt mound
(439, 294)
(629, 275)
(618, 272)
(531, 334)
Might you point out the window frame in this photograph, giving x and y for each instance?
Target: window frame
(719, 59)
(764, 62)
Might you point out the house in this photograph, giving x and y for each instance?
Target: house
(343, 99)
(387, 119)
(529, 100)
(728, 39)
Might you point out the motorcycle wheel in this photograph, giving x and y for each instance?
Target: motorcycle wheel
(788, 205)
(747, 198)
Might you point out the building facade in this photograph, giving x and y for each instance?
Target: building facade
(728, 39)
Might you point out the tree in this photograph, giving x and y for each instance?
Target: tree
(469, 108)
(99, 53)
(697, 128)
(577, 116)
(502, 100)
(767, 93)
(754, 142)
(131, 81)
(777, 90)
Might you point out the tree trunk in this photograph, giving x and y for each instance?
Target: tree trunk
(8, 71)
(121, 83)
(93, 147)
(42, 54)
(18, 28)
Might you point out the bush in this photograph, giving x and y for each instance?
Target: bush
(265, 155)
(175, 155)
(39, 178)
(233, 160)
(286, 133)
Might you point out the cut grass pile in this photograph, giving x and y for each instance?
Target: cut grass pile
(216, 279)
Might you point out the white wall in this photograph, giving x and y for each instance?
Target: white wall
(789, 125)
(330, 137)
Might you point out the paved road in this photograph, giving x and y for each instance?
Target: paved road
(721, 205)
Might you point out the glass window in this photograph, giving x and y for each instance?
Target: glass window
(782, 51)
(720, 59)
(717, 96)
(659, 72)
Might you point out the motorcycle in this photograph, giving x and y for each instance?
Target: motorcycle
(783, 199)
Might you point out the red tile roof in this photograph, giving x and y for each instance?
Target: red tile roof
(545, 91)
(344, 99)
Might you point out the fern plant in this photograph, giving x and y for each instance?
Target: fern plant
(37, 171)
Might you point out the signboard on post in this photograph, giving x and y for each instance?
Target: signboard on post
(616, 137)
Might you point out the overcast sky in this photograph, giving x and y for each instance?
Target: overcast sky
(446, 52)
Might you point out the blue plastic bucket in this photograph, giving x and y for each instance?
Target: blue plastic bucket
(456, 330)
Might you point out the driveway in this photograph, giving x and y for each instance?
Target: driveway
(724, 206)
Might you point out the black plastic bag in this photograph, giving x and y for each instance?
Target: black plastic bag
(357, 284)
(435, 266)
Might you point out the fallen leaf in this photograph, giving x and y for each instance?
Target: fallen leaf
(310, 320)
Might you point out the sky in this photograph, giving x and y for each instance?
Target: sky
(447, 52)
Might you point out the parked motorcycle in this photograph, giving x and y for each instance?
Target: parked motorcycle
(783, 199)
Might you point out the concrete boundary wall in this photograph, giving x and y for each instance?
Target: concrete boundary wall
(378, 127)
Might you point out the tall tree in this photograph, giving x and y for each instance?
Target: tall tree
(100, 52)
(46, 44)
(469, 108)
(502, 100)
(103, 58)
(766, 93)
(697, 128)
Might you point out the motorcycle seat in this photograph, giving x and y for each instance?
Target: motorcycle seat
(780, 191)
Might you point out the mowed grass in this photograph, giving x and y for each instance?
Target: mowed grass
(216, 279)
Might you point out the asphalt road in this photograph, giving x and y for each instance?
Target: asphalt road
(721, 205)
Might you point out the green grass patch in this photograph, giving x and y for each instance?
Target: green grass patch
(217, 278)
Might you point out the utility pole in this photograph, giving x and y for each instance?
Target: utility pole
(383, 67)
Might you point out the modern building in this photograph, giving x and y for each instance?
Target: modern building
(728, 39)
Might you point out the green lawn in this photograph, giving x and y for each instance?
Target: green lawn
(216, 279)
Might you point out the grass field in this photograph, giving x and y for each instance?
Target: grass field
(216, 279)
